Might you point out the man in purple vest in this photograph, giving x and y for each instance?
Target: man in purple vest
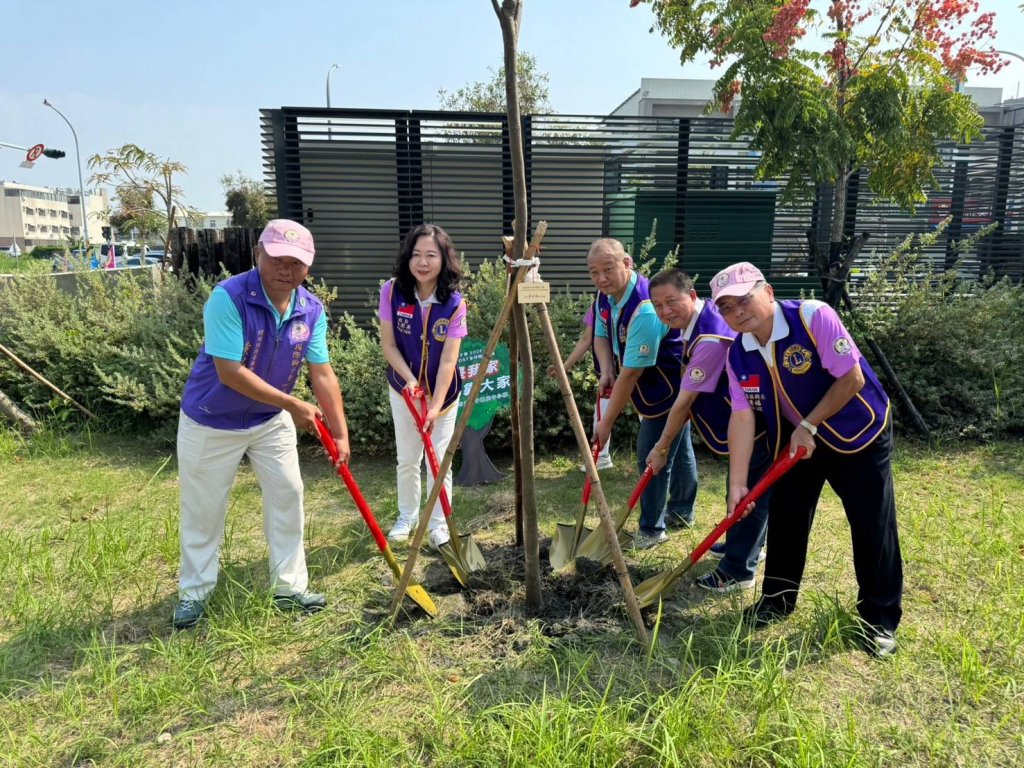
(795, 372)
(640, 363)
(259, 328)
(704, 399)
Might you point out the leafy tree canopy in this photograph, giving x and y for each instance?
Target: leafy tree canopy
(246, 199)
(489, 95)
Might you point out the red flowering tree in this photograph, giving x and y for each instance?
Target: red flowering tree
(873, 91)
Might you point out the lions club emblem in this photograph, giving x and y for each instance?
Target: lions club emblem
(299, 332)
(723, 280)
(842, 346)
(644, 349)
(440, 329)
(797, 359)
(697, 375)
(291, 235)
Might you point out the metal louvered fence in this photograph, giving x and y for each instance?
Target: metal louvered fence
(359, 179)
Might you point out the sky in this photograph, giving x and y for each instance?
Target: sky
(186, 79)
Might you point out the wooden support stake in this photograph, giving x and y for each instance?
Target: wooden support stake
(38, 377)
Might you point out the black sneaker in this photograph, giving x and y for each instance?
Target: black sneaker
(674, 521)
(307, 602)
(761, 614)
(880, 643)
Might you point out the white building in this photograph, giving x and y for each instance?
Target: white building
(213, 220)
(45, 216)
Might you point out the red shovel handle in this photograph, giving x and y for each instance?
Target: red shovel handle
(350, 482)
(641, 486)
(420, 417)
(782, 465)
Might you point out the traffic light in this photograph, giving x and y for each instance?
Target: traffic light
(106, 232)
(56, 154)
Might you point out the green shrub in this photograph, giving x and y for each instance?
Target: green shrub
(955, 345)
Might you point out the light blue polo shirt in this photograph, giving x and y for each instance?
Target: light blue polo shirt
(225, 338)
(643, 334)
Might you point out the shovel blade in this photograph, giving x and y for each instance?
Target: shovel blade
(463, 557)
(595, 547)
(419, 596)
(471, 554)
(563, 546)
(648, 591)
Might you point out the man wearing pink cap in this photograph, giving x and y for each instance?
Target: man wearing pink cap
(796, 374)
(259, 328)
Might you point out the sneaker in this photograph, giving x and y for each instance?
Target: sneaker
(439, 536)
(761, 614)
(603, 462)
(881, 644)
(307, 602)
(723, 584)
(674, 521)
(402, 528)
(644, 540)
(187, 613)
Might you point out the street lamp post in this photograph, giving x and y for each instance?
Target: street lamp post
(333, 67)
(81, 186)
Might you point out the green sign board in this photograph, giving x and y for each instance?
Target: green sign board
(496, 390)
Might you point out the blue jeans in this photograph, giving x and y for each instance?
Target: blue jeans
(743, 542)
(675, 487)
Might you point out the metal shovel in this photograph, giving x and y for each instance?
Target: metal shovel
(649, 591)
(595, 546)
(460, 551)
(415, 592)
(567, 536)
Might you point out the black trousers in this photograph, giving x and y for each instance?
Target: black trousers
(863, 482)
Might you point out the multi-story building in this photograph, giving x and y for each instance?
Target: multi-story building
(43, 216)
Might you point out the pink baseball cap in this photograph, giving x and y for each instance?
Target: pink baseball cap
(284, 237)
(737, 280)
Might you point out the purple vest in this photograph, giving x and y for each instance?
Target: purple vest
(658, 385)
(799, 376)
(711, 410)
(275, 355)
(422, 351)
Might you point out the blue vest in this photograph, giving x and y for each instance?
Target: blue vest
(275, 355)
(711, 410)
(799, 376)
(422, 351)
(658, 385)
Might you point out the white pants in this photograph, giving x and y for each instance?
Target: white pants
(412, 457)
(608, 445)
(208, 460)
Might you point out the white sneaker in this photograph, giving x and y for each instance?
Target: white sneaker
(603, 462)
(439, 536)
(402, 528)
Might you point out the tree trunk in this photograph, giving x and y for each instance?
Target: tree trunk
(517, 459)
(16, 415)
(509, 13)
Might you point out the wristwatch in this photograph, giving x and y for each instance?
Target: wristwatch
(809, 427)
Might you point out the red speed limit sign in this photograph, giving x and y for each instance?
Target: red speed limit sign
(34, 153)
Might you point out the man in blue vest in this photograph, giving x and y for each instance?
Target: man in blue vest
(640, 363)
(704, 399)
(795, 372)
(259, 328)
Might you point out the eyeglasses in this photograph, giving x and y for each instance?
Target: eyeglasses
(742, 301)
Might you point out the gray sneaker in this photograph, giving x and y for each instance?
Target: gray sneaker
(187, 613)
(644, 540)
(882, 644)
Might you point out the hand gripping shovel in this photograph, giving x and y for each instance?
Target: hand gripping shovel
(460, 552)
(415, 591)
(595, 546)
(647, 592)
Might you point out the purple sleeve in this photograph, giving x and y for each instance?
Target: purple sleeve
(457, 325)
(588, 319)
(705, 366)
(384, 308)
(736, 393)
(835, 345)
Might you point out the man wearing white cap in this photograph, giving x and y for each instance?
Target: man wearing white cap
(259, 328)
(796, 374)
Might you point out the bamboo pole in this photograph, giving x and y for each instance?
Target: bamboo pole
(39, 377)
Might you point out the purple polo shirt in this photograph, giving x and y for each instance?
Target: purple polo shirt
(707, 360)
(825, 327)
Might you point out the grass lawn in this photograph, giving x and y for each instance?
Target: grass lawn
(91, 673)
